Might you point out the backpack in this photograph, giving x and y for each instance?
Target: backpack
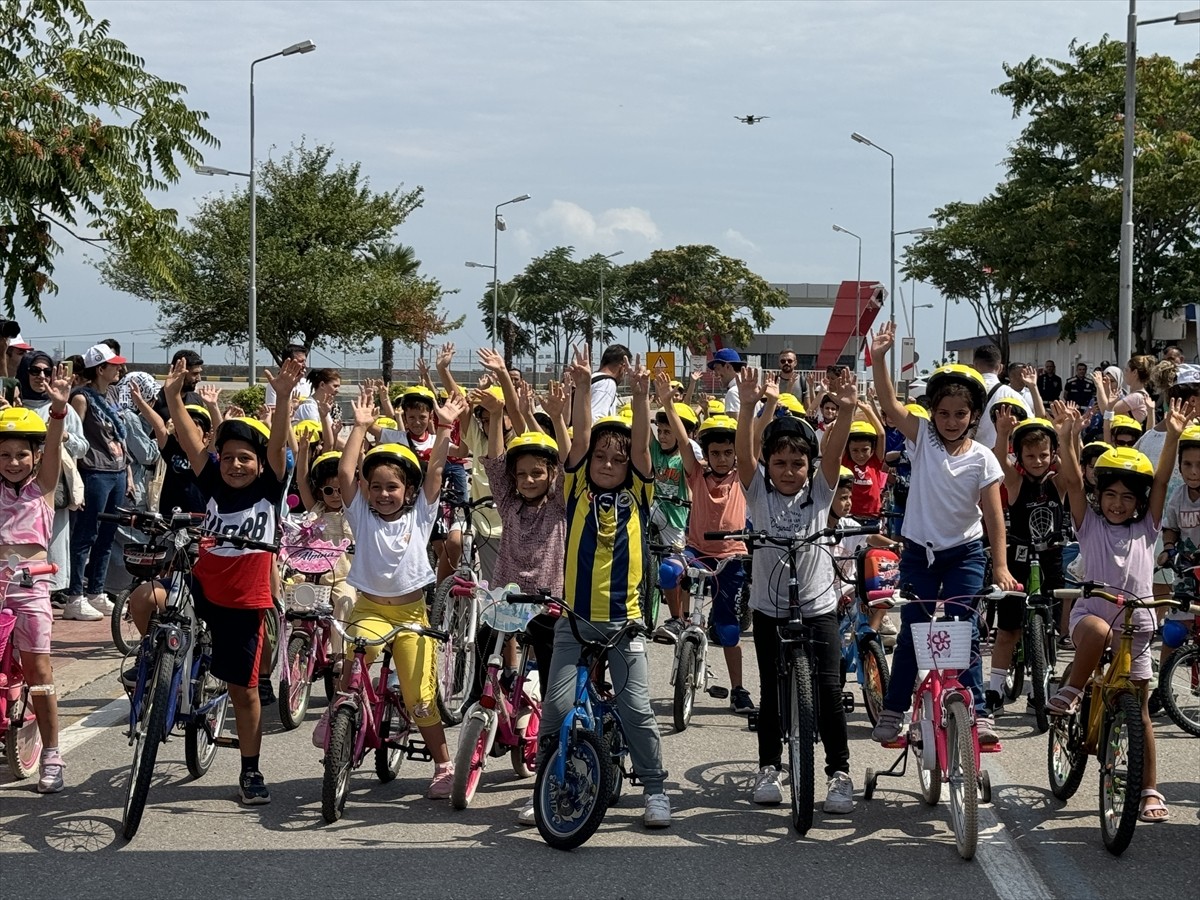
(878, 570)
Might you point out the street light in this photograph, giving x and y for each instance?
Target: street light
(855, 136)
(499, 225)
(602, 268)
(302, 47)
(215, 170)
(1125, 297)
(857, 296)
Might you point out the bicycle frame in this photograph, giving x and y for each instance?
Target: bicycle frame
(504, 705)
(940, 685)
(1107, 683)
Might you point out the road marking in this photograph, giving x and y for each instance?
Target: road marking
(1006, 866)
(74, 736)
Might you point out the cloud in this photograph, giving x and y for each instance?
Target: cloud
(738, 239)
(573, 224)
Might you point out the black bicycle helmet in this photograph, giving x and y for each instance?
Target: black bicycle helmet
(793, 426)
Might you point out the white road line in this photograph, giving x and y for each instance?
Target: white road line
(1012, 875)
(74, 736)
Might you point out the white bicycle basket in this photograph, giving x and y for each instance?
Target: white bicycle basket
(304, 597)
(943, 645)
(503, 616)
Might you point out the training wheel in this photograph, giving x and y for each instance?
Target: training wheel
(985, 787)
(869, 784)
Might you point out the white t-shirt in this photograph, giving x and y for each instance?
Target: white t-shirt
(800, 515)
(302, 391)
(733, 402)
(604, 396)
(1182, 514)
(943, 492)
(390, 559)
(986, 433)
(1151, 443)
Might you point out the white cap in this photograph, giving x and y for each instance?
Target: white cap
(100, 354)
(19, 343)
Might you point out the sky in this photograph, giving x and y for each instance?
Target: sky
(618, 119)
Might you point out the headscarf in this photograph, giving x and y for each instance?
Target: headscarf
(29, 396)
(1115, 374)
(121, 395)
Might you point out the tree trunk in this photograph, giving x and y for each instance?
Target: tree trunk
(388, 359)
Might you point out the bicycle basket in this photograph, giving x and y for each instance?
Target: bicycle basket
(149, 560)
(503, 616)
(943, 645)
(304, 597)
(878, 570)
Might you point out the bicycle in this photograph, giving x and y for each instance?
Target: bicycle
(368, 717)
(1107, 723)
(454, 609)
(22, 739)
(1036, 651)
(943, 718)
(862, 647)
(506, 716)
(797, 671)
(650, 591)
(124, 632)
(1179, 678)
(176, 644)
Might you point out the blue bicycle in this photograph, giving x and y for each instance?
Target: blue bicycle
(862, 647)
(583, 776)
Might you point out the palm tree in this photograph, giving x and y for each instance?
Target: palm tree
(401, 259)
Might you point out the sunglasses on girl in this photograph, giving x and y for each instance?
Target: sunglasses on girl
(329, 490)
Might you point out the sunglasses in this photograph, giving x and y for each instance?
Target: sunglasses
(329, 490)
(39, 370)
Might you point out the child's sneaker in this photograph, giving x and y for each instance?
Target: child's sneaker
(766, 786)
(443, 780)
(887, 729)
(51, 779)
(740, 702)
(253, 789)
(986, 726)
(526, 815)
(839, 800)
(658, 811)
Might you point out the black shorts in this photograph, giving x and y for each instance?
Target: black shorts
(239, 640)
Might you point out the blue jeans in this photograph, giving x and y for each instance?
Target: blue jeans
(956, 572)
(91, 539)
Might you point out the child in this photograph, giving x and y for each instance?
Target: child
(953, 478)
(321, 494)
(392, 507)
(717, 505)
(1181, 518)
(30, 461)
(671, 518)
(788, 495)
(1035, 518)
(1121, 431)
(1117, 531)
(845, 551)
(608, 489)
(864, 454)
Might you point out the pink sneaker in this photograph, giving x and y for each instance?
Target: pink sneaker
(443, 779)
(51, 780)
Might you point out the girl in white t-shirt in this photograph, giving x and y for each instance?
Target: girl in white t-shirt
(953, 478)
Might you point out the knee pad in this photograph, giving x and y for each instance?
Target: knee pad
(45, 690)
(725, 634)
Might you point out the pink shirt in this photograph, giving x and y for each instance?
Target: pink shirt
(718, 504)
(25, 516)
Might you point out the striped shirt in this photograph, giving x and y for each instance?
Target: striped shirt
(605, 533)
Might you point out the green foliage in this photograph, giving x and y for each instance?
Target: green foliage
(249, 399)
(324, 277)
(85, 133)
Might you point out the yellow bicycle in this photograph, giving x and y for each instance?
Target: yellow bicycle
(1108, 724)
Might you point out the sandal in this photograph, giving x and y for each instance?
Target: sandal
(1153, 801)
(1065, 702)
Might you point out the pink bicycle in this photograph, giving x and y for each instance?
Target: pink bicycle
(22, 740)
(943, 734)
(506, 717)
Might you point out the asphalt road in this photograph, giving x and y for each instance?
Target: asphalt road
(196, 841)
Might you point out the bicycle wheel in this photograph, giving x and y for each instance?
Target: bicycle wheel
(1039, 669)
(801, 729)
(394, 733)
(1014, 681)
(930, 778)
(200, 732)
(745, 614)
(1122, 749)
(473, 744)
(876, 677)
(1179, 687)
(295, 684)
(524, 755)
(569, 811)
(124, 633)
(614, 746)
(648, 593)
(685, 685)
(22, 740)
(963, 777)
(455, 657)
(339, 763)
(150, 731)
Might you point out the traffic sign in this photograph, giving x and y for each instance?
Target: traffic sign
(661, 361)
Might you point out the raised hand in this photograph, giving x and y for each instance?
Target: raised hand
(1005, 423)
(639, 378)
(580, 368)
(747, 385)
(491, 360)
(489, 401)
(445, 356)
(452, 409)
(173, 384)
(1177, 417)
(209, 392)
(554, 401)
(844, 388)
(285, 381)
(662, 388)
(884, 339)
(364, 407)
(770, 387)
(59, 389)
(422, 368)
(234, 412)
(1029, 378)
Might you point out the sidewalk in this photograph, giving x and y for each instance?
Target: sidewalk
(81, 652)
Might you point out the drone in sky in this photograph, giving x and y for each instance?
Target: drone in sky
(751, 120)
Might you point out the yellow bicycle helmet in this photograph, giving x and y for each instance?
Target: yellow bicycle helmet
(716, 407)
(611, 423)
(307, 430)
(1132, 469)
(533, 442)
(863, 430)
(845, 476)
(916, 409)
(418, 393)
(1125, 423)
(1092, 452)
(1190, 437)
(1031, 427)
(685, 412)
(17, 421)
(243, 428)
(957, 373)
(717, 428)
(387, 422)
(1013, 405)
(201, 412)
(791, 404)
(397, 455)
(324, 467)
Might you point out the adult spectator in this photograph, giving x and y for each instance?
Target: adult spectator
(725, 364)
(790, 381)
(14, 350)
(986, 361)
(104, 482)
(324, 385)
(614, 366)
(1136, 402)
(1174, 354)
(299, 353)
(1049, 385)
(1080, 389)
(195, 372)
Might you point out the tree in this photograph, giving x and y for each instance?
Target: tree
(1068, 162)
(409, 304)
(85, 134)
(318, 282)
(511, 308)
(691, 294)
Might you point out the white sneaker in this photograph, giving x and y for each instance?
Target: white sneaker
(766, 786)
(79, 609)
(658, 811)
(100, 603)
(525, 816)
(840, 798)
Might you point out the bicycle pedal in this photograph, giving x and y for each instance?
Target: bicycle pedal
(226, 741)
(847, 701)
(990, 748)
(418, 751)
(633, 780)
(718, 693)
(898, 744)
(752, 721)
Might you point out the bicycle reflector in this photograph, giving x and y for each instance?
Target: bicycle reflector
(670, 572)
(1174, 633)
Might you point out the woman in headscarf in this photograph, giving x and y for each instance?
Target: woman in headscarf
(33, 377)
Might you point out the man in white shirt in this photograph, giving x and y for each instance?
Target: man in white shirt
(614, 366)
(987, 363)
(302, 390)
(725, 364)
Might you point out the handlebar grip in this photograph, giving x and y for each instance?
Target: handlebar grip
(856, 531)
(717, 535)
(886, 594)
(40, 567)
(111, 517)
(528, 598)
(435, 633)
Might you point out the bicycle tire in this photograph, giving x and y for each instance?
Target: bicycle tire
(614, 746)
(685, 685)
(876, 677)
(339, 763)
(295, 682)
(648, 593)
(392, 750)
(1121, 772)
(568, 814)
(1039, 670)
(470, 760)
(1182, 700)
(930, 778)
(801, 746)
(524, 756)
(146, 743)
(963, 777)
(124, 633)
(199, 750)
(23, 740)
(455, 657)
(745, 613)
(1014, 681)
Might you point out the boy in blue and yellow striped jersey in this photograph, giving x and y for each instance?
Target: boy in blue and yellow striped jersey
(609, 485)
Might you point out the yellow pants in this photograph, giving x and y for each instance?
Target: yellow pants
(414, 656)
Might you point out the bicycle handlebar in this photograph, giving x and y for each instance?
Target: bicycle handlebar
(632, 628)
(1121, 598)
(420, 630)
(892, 597)
(239, 541)
(762, 537)
(153, 522)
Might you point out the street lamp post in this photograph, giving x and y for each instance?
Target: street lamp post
(603, 266)
(857, 297)
(302, 47)
(498, 225)
(855, 136)
(1125, 296)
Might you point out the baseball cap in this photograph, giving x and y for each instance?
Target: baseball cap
(726, 355)
(19, 343)
(101, 354)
